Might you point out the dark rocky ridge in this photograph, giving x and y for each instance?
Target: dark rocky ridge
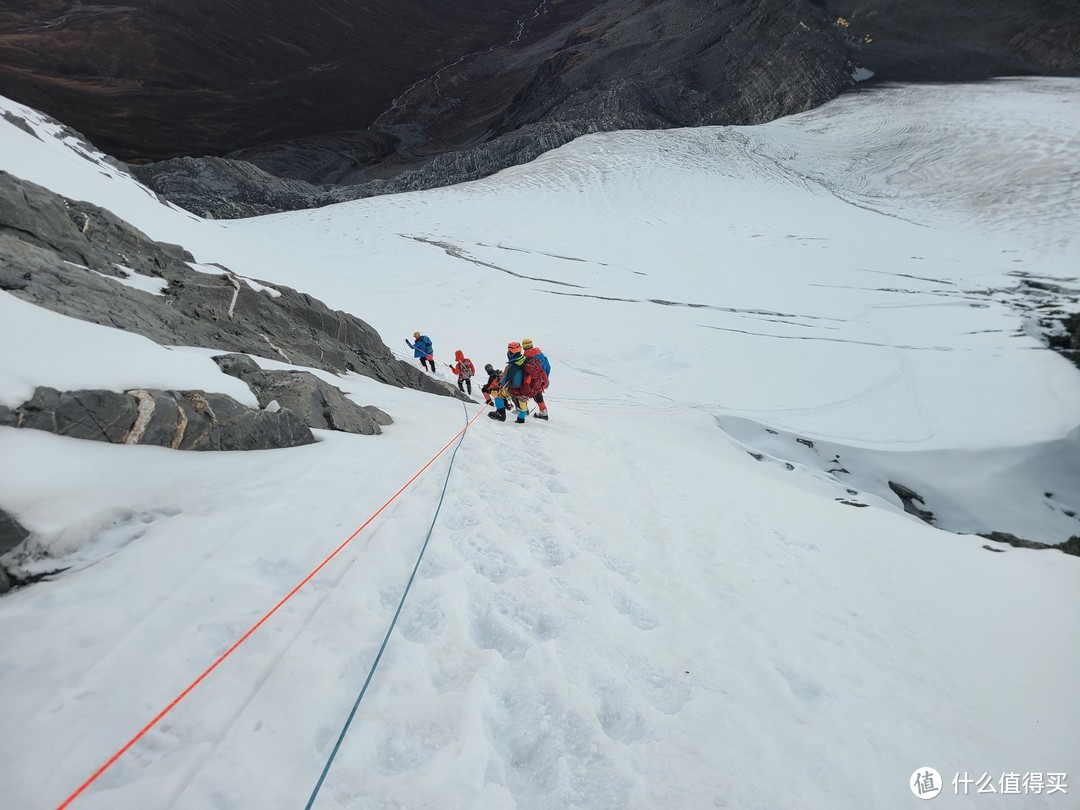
(58, 253)
(502, 93)
(591, 67)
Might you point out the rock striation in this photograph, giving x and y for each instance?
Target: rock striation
(181, 420)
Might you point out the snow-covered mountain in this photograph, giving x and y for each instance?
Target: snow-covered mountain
(696, 586)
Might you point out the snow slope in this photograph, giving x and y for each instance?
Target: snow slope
(622, 607)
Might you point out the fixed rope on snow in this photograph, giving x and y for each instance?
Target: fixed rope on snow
(251, 631)
(393, 621)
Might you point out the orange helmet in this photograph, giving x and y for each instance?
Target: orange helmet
(514, 347)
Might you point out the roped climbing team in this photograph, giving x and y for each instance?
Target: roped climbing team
(526, 376)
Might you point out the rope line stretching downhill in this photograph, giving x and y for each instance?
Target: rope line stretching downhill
(251, 631)
(393, 621)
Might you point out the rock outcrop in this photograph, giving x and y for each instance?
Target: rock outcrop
(1065, 338)
(12, 534)
(69, 256)
(317, 403)
(223, 188)
(908, 497)
(182, 420)
(1070, 546)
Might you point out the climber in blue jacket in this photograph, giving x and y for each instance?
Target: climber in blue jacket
(422, 350)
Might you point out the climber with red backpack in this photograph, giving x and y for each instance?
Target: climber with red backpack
(530, 352)
(523, 377)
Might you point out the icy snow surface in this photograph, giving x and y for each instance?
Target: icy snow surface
(624, 607)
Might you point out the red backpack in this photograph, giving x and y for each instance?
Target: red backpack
(534, 380)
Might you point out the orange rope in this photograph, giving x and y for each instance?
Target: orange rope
(172, 704)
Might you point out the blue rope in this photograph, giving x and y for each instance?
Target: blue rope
(393, 623)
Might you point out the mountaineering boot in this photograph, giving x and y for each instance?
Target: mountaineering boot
(540, 415)
(500, 414)
(520, 420)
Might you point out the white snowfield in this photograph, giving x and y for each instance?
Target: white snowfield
(692, 588)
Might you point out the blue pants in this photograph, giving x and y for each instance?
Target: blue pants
(522, 405)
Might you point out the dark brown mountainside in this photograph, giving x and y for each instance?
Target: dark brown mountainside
(961, 40)
(161, 78)
(299, 104)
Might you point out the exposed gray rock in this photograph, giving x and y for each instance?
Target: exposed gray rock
(12, 534)
(908, 497)
(226, 188)
(57, 253)
(317, 403)
(240, 366)
(338, 158)
(1069, 343)
(182, 420)
(103, 416)
(221, 188)
(1070, 546)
